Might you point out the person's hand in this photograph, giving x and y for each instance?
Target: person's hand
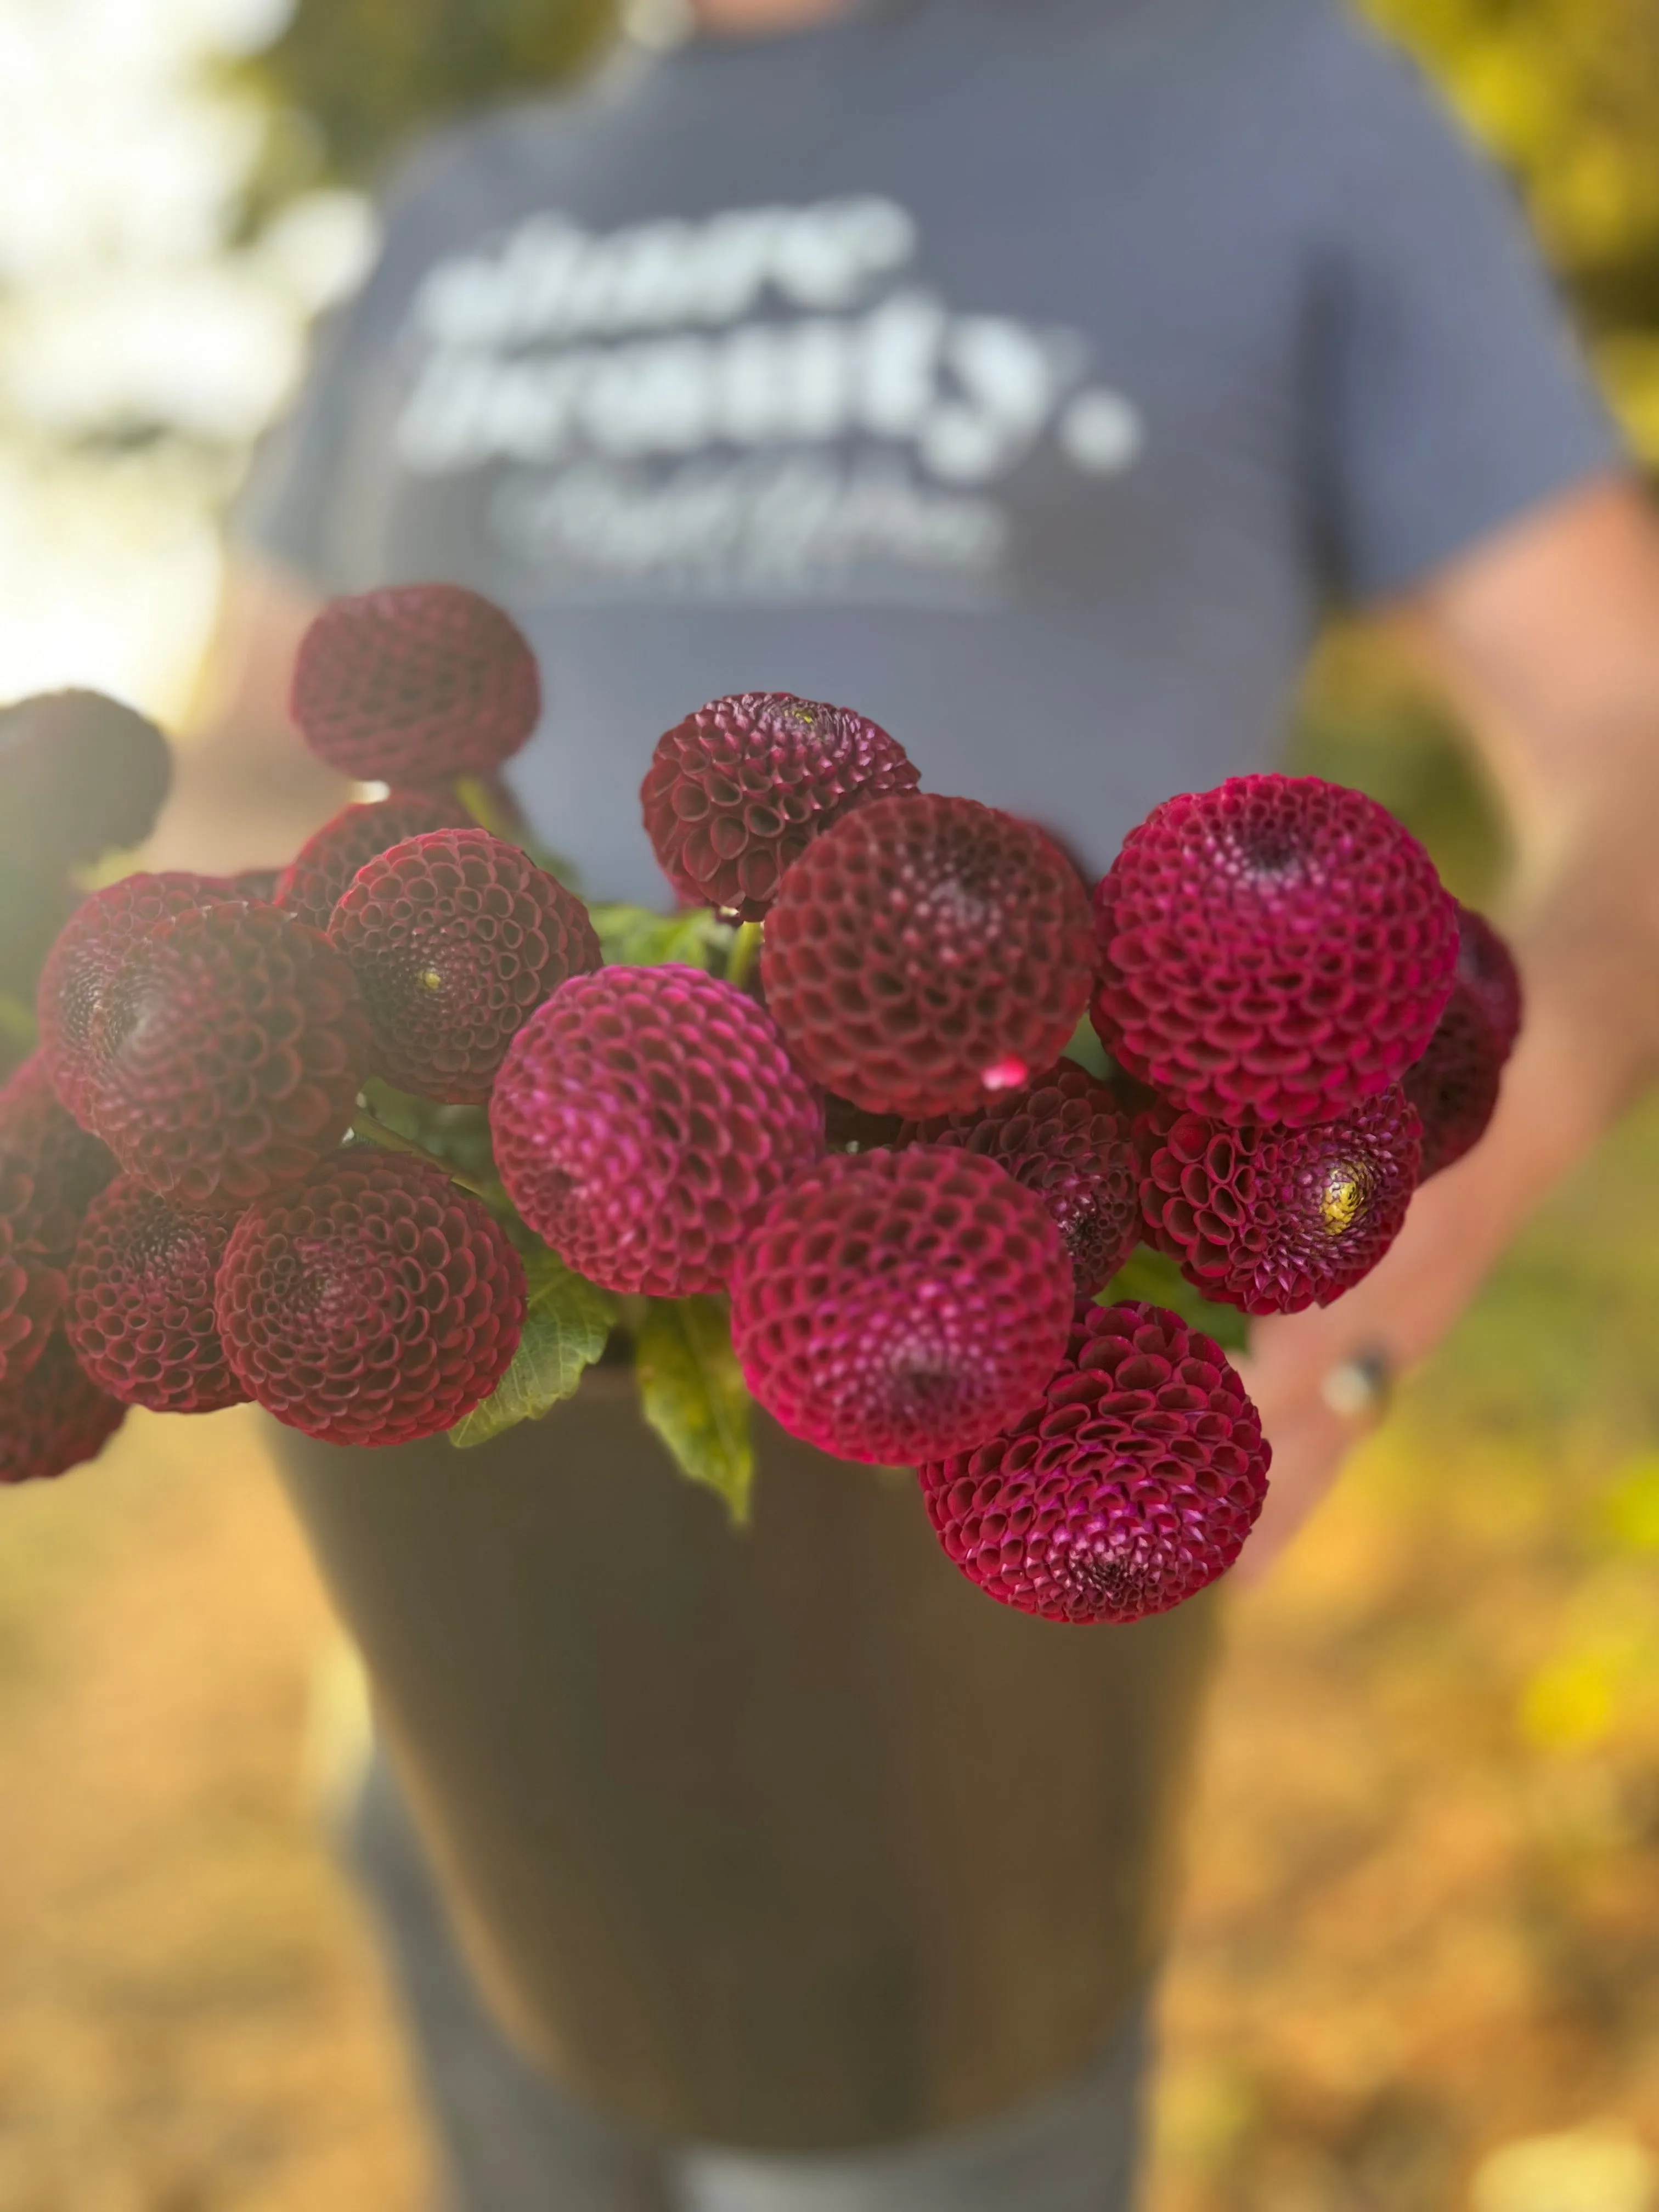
(1321, 1380)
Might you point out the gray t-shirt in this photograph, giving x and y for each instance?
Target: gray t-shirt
(1025, 374)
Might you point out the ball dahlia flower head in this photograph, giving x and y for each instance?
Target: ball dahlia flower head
(377, 1304)
(737, 791)
(455, 938)
(892, 1304)
(55, 1418)
(643, 1121)
(1276, 951)
(1128, 1487)
(1064, 1136)
(1454, 1085)
(927, 953)
(312, 884)
(50, 1171)
(139, 1316)
(417, 684)
(217, 1049)
(1272, 1221)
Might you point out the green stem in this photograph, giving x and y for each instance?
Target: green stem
(373, 1131)
(480, 803)
(745, 952)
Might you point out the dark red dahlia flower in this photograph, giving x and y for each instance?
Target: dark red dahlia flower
(377, 1304)
(455, 939)
(737, 791)
(54, 1419)
(1063, 1137)
(89, 951)
(140, 1313)
(226, 1055)
(644, 1119)
(1274, 1220)
(1454, 1085)
(66, 1163)
(1487, 974)
(312, 884)
(892, 1304)
(32, 1288)
(1132, 1485)
(79, 774)
(926, 953)
(414, 684)
(1274, 950)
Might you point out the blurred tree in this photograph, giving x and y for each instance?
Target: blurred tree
(1566, 93)
(348, 83)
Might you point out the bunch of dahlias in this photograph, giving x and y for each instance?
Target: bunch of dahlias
(399, 1141)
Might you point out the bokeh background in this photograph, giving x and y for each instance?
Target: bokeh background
(1419, 1963)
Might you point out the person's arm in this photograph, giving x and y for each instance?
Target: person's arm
(247, 793)
(1548, 636)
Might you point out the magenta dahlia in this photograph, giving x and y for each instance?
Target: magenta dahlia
(1274, 1220)
(737, 791)
(1274, 950)
(66, 1163)
(414, 684)
(892, 1304)
(644, 1119)
(1454, 1085)
(54, 1418)
(926, 953)
(32, 1288)
(1063, 1137)
(1488, 974)
(1129, 1488)
(89, 951)
(377, 1304)
(226, 1053)
(311, 886)
(455, 939)
(140, 1312)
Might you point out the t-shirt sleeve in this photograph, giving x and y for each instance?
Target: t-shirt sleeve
(1451, 396)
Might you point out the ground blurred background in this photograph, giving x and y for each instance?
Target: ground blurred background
(1418, 1965)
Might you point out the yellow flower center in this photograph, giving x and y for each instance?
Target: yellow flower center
(1342, 1200)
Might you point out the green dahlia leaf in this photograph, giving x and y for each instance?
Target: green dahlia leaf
(457, 1136)
(566, 1329)
(1156, 1278)
(693, 1393)
(634, 937)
